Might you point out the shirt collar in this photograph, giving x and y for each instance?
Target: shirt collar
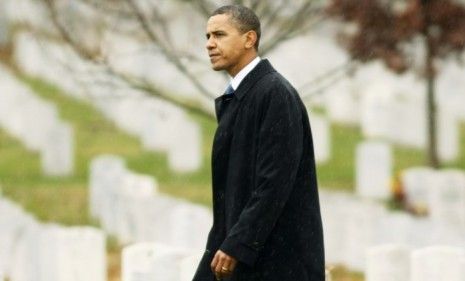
(236, 81)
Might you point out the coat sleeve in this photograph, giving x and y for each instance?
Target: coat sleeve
(278, 155)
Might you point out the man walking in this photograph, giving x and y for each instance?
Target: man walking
(267, 223)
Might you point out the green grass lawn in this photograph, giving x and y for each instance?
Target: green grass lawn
(65, 200)
(339, 172)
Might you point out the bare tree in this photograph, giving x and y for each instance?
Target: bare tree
(385, 28)
(146, 21)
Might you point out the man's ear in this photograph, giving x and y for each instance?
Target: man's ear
(251, 39)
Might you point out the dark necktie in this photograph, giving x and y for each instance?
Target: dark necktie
(229, 90)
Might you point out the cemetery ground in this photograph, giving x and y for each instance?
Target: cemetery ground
(65, 200)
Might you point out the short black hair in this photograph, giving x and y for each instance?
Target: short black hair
(244, 18)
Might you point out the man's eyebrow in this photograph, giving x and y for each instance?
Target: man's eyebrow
(215, 32)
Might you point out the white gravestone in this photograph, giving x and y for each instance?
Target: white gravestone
(373, 170)
(72, 254)
(160, 125)
(388, 112)
(390, 262)
(376, 106)
(152, 218)
(82, 255)
(26, 259)
(151, 261)
(400, 221)
(448, 134)
(447, 198)
(154, 136)
(106, 172)
(40, 118)
(408, 123)
(13, 222)
(343, 104)
(438, 263)
(417, 183)
(190, 225)
(420, 225)
(130, 114)
(188, 266)
(135, 187)
(361, 233)
(185, 150)
(334, 213)
(28, 56)
(58, 151)
(321, 138)
(8, 229)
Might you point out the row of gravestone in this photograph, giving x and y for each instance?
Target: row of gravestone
(129, 207)
(441, 193)
(404, 121)
(155, 261)
(396, 262)
(158, 262)
(35, 122)
(393, 108)
(34, 251)
(159, 125)
(352, 225)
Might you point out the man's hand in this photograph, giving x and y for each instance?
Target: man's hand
(223, 265)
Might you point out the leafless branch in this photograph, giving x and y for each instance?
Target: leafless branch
(282, 27)
(204, 7)
(108, 8)
(170, 55)
(326, 80)
(147, 87)
(80, 50)
(134, 83)
(307, 17)
(281, 23)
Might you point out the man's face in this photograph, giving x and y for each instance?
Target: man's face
(226, 45)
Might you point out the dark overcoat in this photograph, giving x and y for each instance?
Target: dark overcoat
(265, 198)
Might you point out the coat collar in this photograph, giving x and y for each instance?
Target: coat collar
(263, 67)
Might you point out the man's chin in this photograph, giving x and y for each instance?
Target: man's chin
(217, 67)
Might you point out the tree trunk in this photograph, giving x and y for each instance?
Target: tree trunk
(431, 111)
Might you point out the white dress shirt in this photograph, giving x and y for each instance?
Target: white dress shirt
(236, 80)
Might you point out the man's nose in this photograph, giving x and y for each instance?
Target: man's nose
(210, 44)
